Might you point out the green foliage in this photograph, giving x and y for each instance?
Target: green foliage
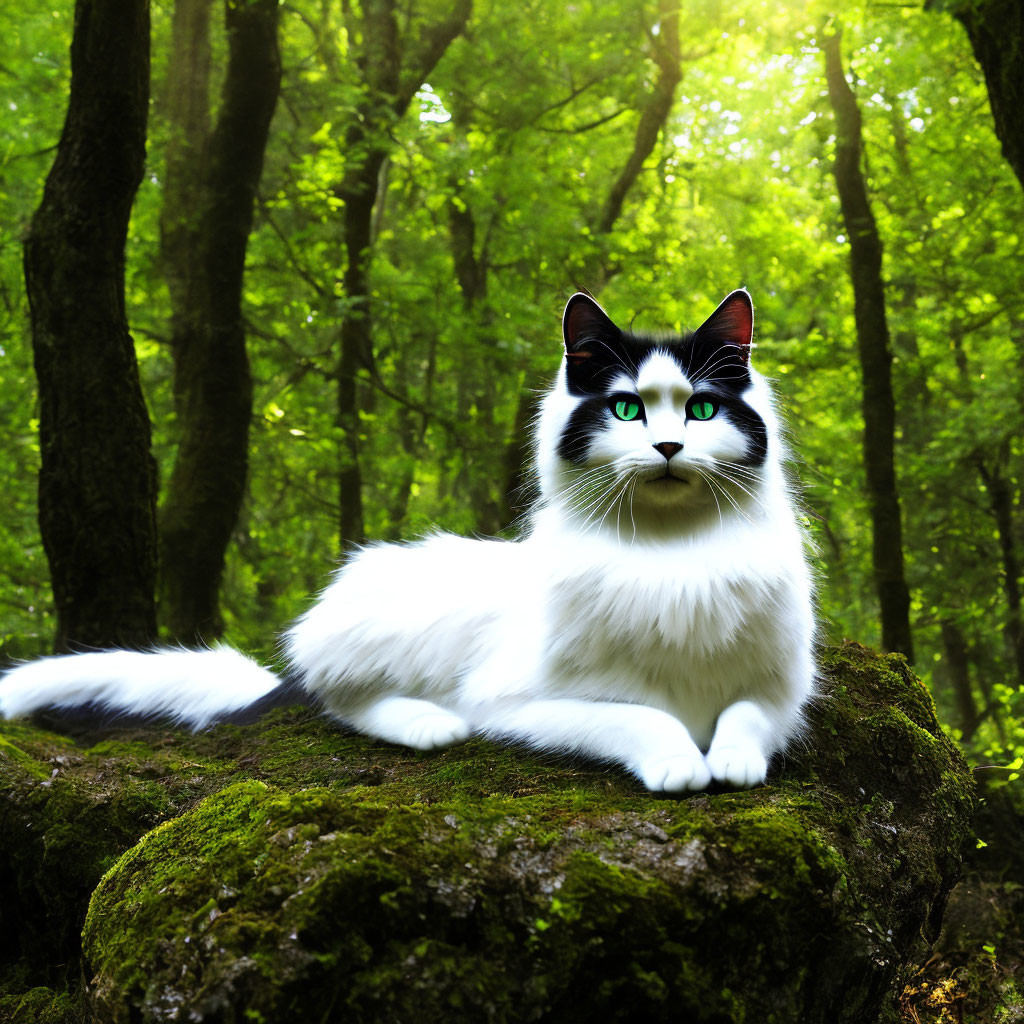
(524, 127)
(32, 94)
(486, 219)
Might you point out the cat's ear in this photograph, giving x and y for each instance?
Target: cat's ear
(583, 323)
(732, 323)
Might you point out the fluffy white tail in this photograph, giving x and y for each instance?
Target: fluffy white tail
(194, 688)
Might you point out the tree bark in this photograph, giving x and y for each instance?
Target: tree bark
(392, 70)
(97, 481)
(476, 367)
(212, 382)
(187, 106)
(878, 404)
(958, 660)
(996, 31)
(1001, 502)
(355, 337)
(518, 486)
(665, 53)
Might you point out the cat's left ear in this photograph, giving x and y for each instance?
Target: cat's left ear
(732, 323)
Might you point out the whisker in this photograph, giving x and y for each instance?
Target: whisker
(732, 501)
(719, 357)
(711, 488)
(591, 508)
(727, 469)
(612, 503)
(628, 488)
(756, 498)
(618, 515)
(582, 501)
(585, 484)
(740, 468)
(620, 358)
(632, 494)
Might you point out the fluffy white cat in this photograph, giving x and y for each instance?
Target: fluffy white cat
(657, 614)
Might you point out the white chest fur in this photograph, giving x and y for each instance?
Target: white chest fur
(688, 626)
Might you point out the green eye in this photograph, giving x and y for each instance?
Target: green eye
(626, 409)
(703, 409)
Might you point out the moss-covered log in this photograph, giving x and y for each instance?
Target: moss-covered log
(286, 871)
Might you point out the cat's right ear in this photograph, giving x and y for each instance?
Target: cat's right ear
(584, 323)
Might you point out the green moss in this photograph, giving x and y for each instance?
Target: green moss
(287, 870)
(42, 1006)
(295, 864)
(14, 757)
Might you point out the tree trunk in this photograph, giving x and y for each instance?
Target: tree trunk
(392, 69)
(476, 367)
(97, 481)
(878, 405)
(996, 31)
(187, 105)
(355, 338)
(205, 254)
(518, 485)
(1001, 502)
(653, 115)
(958, 661)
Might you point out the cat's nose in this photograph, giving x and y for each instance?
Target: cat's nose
(668, 448)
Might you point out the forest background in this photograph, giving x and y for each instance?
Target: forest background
(352, 238)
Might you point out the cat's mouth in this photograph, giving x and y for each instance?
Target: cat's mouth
(668, 478)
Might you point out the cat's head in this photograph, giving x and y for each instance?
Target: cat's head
(644, 428)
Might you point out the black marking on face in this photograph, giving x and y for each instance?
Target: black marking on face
(747, 421)
(596, 350)
(714, 358)
(586, 420)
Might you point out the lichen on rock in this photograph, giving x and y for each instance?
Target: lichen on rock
(288, 871)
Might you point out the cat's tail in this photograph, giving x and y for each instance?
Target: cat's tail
(191, 688)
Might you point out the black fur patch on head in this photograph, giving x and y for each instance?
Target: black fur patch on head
(745, 419)
(594, 347)
(596, 350)
(586, 420)
(714, 358)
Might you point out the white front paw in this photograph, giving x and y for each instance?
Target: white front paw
(741, 767)
(435, 729)
(675, 773)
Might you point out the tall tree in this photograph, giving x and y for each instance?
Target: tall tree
(878, 405)
(992, 467)
(187, 107)
(471, 262)
(97, 481)
(664, 50)
(211, 188)
(392, 68)
(996, 31)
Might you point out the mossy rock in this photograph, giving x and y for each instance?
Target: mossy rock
(298, 873)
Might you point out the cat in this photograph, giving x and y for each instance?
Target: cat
(657, 613)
